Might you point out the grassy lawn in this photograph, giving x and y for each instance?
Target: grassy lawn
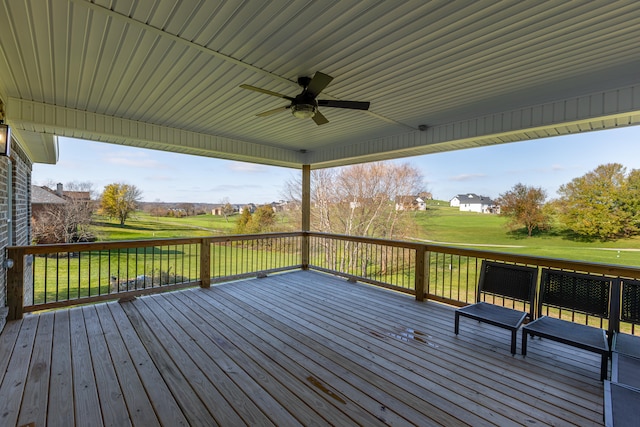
(447, 225)
(451, 277)
(439, 224)
(144, 226)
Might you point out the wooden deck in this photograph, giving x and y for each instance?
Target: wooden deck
(299, 348)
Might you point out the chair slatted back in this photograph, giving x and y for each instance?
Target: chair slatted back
(584, 293)
(507, 280)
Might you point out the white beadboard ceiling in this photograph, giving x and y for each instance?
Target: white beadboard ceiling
(165, 74)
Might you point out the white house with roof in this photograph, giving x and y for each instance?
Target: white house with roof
(471, 202)
(410, 203)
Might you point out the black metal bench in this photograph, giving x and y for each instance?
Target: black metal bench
(629, 313)
(504, 281)
(582, 293)
(622, 395)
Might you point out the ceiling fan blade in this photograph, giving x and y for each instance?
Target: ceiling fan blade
(274, 111)
(318, 83)
(352, 105)
(265, 91)
(319, 118)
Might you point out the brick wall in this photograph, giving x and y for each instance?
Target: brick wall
(19, 220)
(21, 211)
(21, 198)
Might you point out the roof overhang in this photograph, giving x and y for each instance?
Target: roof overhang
(445, 76)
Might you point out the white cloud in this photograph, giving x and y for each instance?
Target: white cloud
(132, 159)
(160, 178)
(235, 187)
(467, 177)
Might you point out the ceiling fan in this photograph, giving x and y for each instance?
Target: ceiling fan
(305, 105)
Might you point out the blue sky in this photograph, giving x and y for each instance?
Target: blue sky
(488, 171)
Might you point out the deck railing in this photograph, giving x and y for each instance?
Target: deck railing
(50, 276)
(63, 275)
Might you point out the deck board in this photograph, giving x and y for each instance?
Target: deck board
(138, 405)
(167, 409)
(296, 349)
(301, 348)
(191, 406)
(114, 409)
(88, 410)
(441, 388)
(302, 402)
(474, 376)
(36, 392)
(60, 410)
(13, 381)
(198, 346)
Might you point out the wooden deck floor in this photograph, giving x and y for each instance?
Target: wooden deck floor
(299, 348)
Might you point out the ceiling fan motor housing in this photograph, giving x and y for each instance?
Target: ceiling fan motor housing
(304, 106)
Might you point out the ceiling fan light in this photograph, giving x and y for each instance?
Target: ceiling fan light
(303, 111)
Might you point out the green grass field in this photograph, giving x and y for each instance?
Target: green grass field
(73, 276)
(439, 224)
(144, 226)
(447, 225)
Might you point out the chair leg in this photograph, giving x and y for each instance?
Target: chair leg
(524, 342)
(604, 366)
(513, 341)
(457, 321)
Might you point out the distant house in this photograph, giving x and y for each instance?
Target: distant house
(471, 202)
(280, 206)
(410, 203)
(84, 196)
(250, 207)
(218, 209)
(47, 205)
(43, 198)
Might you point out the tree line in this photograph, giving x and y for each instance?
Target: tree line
(359, 200)
(603, 204)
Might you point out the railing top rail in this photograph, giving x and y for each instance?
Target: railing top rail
(586, 266)
(592, 267)
(143, 243)
(96, 246)
(372, 240)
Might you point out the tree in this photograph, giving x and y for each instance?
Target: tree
(188, 208)
(524, 206)
(245, 218)
(261, 221)
(119, 200)
(227, 208)
(157, 209)
(359, 200)
(631, 202)
(602, 204)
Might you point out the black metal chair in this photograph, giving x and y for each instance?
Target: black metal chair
(582, 293)
(629, 313)
(505, 281)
